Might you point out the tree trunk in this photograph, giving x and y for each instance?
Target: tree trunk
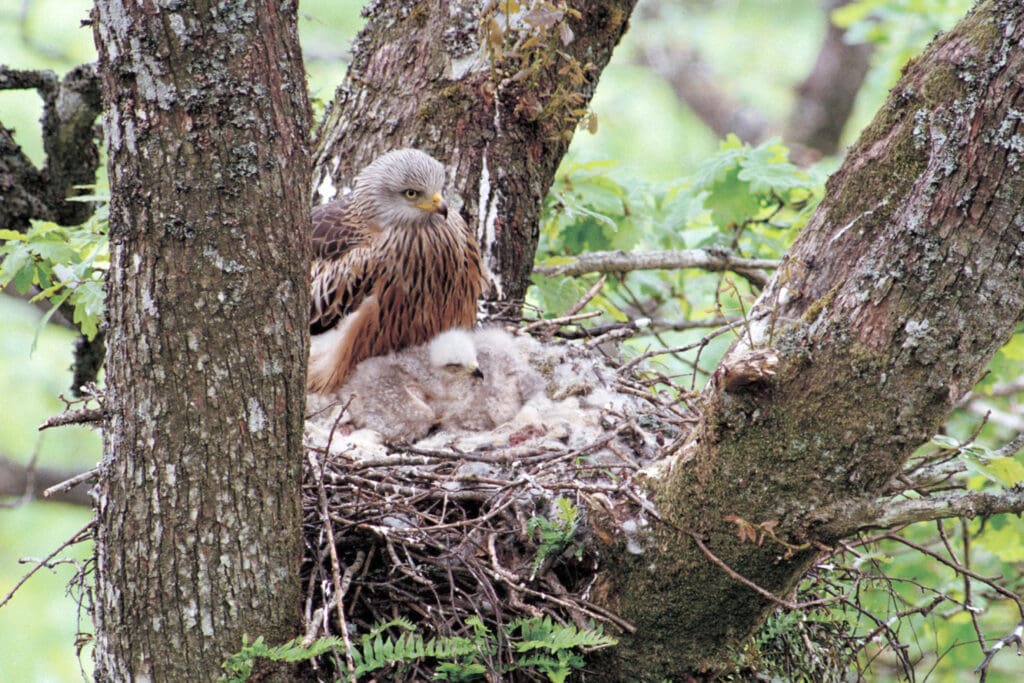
(826, 97)
(199, 536)
(890, 304)
(886, 311)
(466, 85)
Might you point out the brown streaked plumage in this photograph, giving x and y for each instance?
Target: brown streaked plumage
(391, 267)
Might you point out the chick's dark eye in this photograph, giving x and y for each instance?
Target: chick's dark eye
(411, 194)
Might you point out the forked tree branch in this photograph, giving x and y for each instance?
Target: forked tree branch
(822, 105)
(71, 106)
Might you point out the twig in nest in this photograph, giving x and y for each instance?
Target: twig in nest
(619, 332)
(335, 568)
(703, 341)
(587, 296)
(545, 323)
(595, 331)
(445, 529)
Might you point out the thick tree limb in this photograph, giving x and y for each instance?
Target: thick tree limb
(826, 97)
(694, 83)
(903, 285)
(88, 359)
(847, 519)
(623, 262)
(824, 100)
(199, 522)
(70, 108)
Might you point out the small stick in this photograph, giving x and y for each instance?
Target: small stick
(77, 538)
(74, 417)
(71, 483)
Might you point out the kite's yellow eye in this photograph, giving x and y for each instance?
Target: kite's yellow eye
(411, 194)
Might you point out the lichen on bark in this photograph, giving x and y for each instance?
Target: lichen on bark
(901, 288)
(198, 537)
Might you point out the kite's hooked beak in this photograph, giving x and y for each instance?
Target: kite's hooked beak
(437, 205)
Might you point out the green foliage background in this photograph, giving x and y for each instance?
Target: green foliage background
(671, 185)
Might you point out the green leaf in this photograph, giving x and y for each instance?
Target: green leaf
(47, 293)
(555, 294)
(17, 257)
(945, 442)
(54, 305)
(731, 202)
(1014, 349)
(12, 235)
(1006, 471)
(767, 170)
(23, 278)
(715, 168)
(88, 301)
(54, 250)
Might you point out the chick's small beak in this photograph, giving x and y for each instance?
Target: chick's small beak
(477, 372)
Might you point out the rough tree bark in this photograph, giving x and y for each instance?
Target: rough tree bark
(887, 309)
(889, 305)
(198, 539)
(469, 87)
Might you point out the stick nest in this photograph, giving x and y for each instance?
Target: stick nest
(497, 524)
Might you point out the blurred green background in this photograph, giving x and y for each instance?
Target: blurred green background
(759, 49)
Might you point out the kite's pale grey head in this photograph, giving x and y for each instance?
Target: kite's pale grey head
(454, 351)
(402, 189)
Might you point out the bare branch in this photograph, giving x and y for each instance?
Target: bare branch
(824, 100)
(623, 262)
(71, 483)
(885, 513)
(74, 417)
(17, 480)
(694, 83)
(826, 97)
(947, 505)
(81, 535)
(1015, 636)
(1011, 388)
(1010, 449)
